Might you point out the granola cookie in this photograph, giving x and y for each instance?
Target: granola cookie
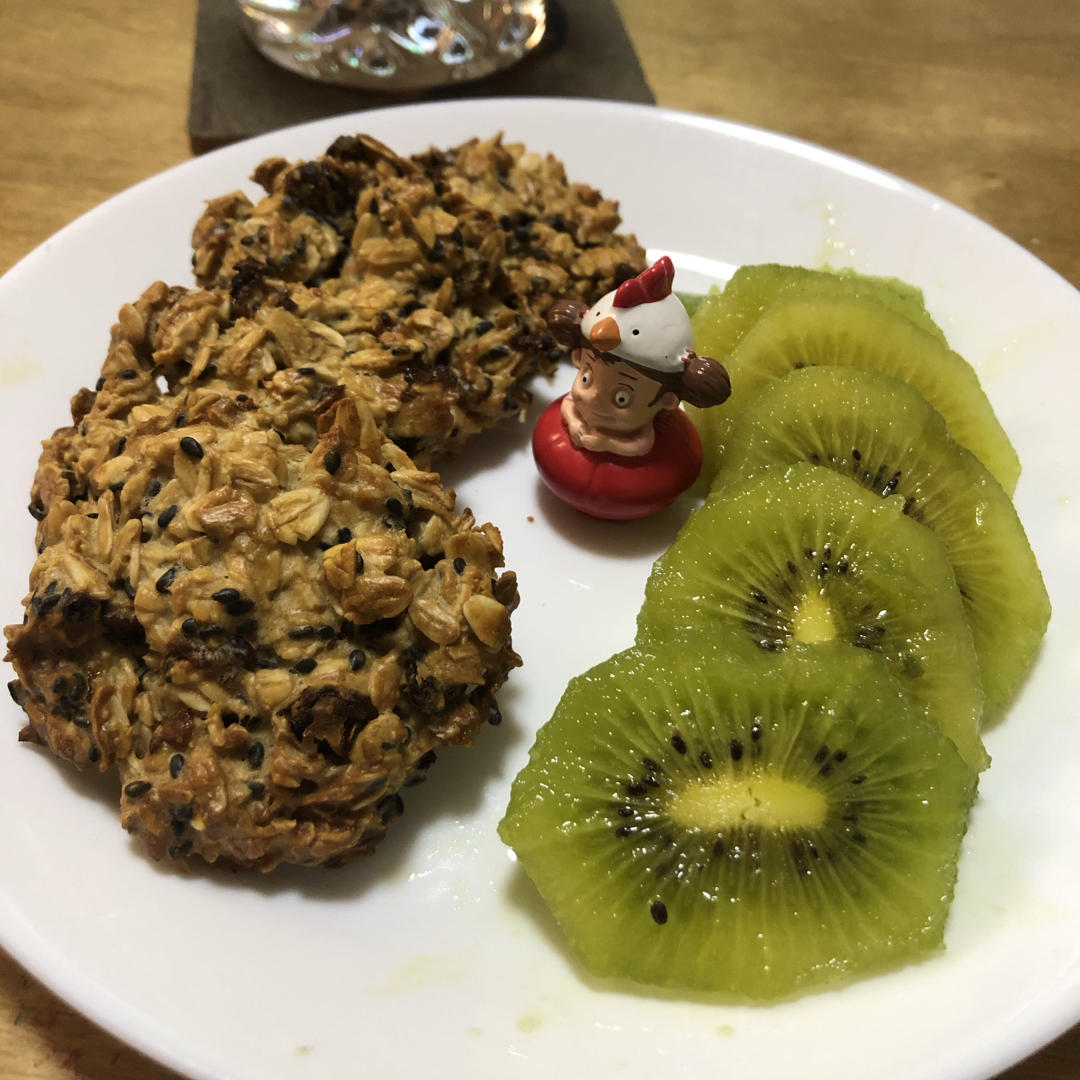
(445, 262)
(247, 598)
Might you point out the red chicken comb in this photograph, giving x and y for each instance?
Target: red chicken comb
(649, 286)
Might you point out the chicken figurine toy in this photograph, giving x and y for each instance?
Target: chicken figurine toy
(618, 446)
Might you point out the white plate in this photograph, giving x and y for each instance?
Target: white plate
(434, 956)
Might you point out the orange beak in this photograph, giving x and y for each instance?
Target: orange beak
(605, 334)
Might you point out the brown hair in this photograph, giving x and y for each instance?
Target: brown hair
(564, 322)
(703, 382)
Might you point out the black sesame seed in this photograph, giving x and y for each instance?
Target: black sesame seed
(325, 633)
(137, 788)
(189, 627)
(332, 461)
(344, 534)
(100, 384)
(94, 754)
(494, 716)
(166, 516)
(305, 666)
(256, 755)
(483, 326)
(191, 447)
(394, 507)
(356, 659)
(37, 511)
(233, 601)
(257, 788)
(154, 488)
(176, 763)
(658, 911)
(164, 583)
(459, 565)
(358, 561)
(181, 850)
(390, 807)
(298, 633)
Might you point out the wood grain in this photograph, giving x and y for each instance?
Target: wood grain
(976, 100)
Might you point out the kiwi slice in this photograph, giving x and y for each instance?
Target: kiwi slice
(882, 433)
(722, 823)
(725, 316)
(802, 556)
(816, 328)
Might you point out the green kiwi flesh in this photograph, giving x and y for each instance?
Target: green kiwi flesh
(725, 316)
(800, 557)
(881, 432)
(753, 827)
(816, 328)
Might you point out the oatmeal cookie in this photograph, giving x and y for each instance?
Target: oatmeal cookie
(445, 262)
(247, 598)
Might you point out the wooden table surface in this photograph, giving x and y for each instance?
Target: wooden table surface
(977, 100)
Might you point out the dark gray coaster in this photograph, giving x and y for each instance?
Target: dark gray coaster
(236, 93)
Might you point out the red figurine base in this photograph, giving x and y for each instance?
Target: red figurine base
(612, 486)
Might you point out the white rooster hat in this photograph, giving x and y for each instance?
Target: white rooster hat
(642, 321)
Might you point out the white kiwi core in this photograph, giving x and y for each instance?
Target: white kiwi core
(770, 802)
(814, 622)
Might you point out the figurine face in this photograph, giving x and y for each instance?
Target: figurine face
(611, 396)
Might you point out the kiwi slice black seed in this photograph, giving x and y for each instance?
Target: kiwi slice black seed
(813, 327)
(798, 557)
(730, 824)
(882, 433)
